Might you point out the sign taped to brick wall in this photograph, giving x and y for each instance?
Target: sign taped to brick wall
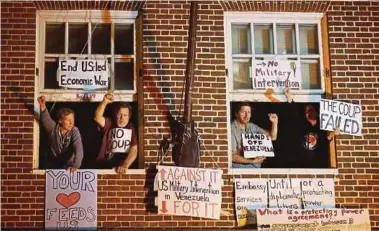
(119, 140)
(255, 145)
(313, 219)
(276, 74)
(71, 200)
(83, 74)
(192, 192)
(346, 117)
(251, 194)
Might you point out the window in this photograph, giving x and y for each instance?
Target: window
(109, 40)
(260, 49)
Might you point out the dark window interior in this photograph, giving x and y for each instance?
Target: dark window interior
(291, 129)
(91, 137)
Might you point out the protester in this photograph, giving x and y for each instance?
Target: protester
(314, 147)
(242, 125)
(65, 144)
(120, 119)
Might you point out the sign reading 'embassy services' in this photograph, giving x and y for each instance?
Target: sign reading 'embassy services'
(83, 74)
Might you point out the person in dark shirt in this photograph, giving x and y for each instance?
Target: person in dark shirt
(65, 143)
(313, 142)
(109, 126)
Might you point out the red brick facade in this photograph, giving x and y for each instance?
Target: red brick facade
(127, 200)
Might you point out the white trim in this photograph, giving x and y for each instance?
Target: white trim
(287, 171)
(102, 172)
(272, 17)
(243, 97)
(85, 15)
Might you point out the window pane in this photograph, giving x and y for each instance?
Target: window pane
(286, 39)
(263, 39)
(54, 37)
(241, 74)
(124, 75)
(101, 39)
(78, 35)
(124, 39)
(308, 39)
(310, 72)
(241, 39)
(51, 68)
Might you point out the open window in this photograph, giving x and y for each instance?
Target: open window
(110, 39)
(258, 46)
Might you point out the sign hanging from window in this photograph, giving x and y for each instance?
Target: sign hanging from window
(83, 74)
(276, 74)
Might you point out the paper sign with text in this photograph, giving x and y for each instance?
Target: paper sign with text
(250, 195)
(192, 192)
(83, 74)
(255, 145)
(276, 74)
(346, 117)
(284, 193)
(71, 200)
(322, 219)
(316, 193)
(119, 140)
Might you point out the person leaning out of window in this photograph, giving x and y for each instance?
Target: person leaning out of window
(65, 144)
(120, 119)
(242, 125)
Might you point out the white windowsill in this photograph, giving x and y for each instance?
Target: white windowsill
(303, 171)
(103, 171)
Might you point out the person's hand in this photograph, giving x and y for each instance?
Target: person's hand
(273, 118)
(337, 132)
(121, 169)
(108, 98)
(258, 160)
(287, 92)
(71, 169)
(42, 102)
(334, 133)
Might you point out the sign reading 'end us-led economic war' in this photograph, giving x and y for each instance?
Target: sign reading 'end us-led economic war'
(192, 192)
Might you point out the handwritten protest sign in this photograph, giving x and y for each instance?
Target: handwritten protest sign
(317, 193)
(322, 219)
(250, 195)
(283, 193)
(119, 140)
(345, 116)
(83, 74)
(71, 200)
(276, 74)
(189, 191)
(256, 145)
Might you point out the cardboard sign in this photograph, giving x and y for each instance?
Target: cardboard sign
(316, 193)
(119, 140)
(276, 74)
(345, 116)
(255, 145)
(313, 219)
(71, 200)
(192, 192)
(83, 74)
(250, 195)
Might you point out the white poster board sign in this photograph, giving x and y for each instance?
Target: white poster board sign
(192, 192)
(250, 195)
(119, 140)
(346, 117)
(313, 219)
(255, 145)
(276, 74)
(284, 193)
(317, 193)
(71, 200)
(83, 74)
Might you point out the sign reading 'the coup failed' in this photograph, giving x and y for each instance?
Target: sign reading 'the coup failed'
(83, 74)
(346, 117)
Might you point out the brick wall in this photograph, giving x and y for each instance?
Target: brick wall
(126, 201)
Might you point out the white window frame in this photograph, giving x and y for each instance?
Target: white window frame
(254, 95)
(70, 95)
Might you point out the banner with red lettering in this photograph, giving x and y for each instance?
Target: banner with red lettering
(71, 200)
(322, 219)
(192, 192)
